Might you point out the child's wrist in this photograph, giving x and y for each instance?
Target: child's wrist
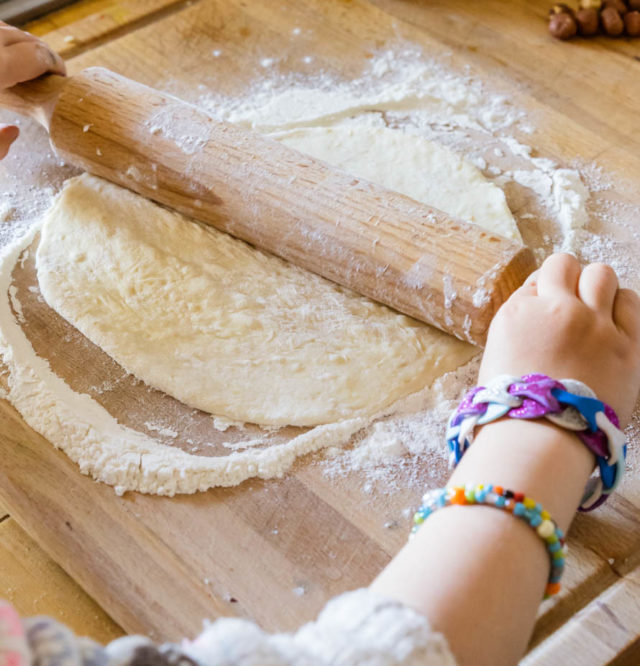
(536, 457)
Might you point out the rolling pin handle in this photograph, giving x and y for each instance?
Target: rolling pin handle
(35, 99)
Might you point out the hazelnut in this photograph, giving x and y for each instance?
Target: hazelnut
(591, 4)
(561, 8)
(632, 24)
(562, 26)
(619, 5)
(612, 22)
(587, 20)
(634, 5)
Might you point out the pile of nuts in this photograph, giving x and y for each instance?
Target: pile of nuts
(611, 17)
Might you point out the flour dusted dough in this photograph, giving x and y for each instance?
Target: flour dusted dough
(233, 331)
(221, 326)
(411, 165)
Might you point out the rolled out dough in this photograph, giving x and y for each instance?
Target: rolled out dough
(411, 165)
(233, 331)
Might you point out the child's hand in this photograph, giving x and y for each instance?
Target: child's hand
(568, 323)
(565, 323)
(22, 57)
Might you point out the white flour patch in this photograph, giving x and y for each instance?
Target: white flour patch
(161, 430)
(220, 423)
(393, 453)
(396, 80)
(15, 304)
(172, 123)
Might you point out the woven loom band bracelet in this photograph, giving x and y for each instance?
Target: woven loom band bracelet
(598, 489)
(569, 404)
(609, 441)
(518, 504)
(594, 421)
(611, 472)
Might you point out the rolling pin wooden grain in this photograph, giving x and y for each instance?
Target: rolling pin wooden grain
(382, 244)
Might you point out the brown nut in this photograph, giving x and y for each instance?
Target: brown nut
(612, 22)
(561, 8)
(619, 5)
(591, 4)
(632, 24)
(634, 5)
(562, 26)
(588, 23)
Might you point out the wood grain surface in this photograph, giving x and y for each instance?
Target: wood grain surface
(98, 21)
(316, 536)
(36, 585)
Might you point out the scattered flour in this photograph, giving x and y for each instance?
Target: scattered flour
(171, 122)
(221, 423)
(161, 430)
(396, 80)
(570, 198)
(15, 303)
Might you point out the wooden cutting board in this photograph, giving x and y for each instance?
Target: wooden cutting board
(275, 551)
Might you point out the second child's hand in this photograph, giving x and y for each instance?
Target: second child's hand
(22, 57)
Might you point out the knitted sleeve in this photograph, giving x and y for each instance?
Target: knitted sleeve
(355, 629)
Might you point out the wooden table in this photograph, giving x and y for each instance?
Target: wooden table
(584, 98)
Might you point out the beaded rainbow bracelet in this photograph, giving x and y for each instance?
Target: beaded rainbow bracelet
(518, 504)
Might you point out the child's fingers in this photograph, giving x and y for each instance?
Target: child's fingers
(10, 35)
(626, 312)
(58, 66)
(25, 61)
(597, 287)
(57, 63)
(558, 276)
(8, 134)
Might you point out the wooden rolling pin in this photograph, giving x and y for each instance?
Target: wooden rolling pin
(382, 244)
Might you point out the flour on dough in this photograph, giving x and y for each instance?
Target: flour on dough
(409, 164)
(236, 332)
(220, 325)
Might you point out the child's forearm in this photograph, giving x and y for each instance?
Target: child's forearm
(478, 566)
(547, 463)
